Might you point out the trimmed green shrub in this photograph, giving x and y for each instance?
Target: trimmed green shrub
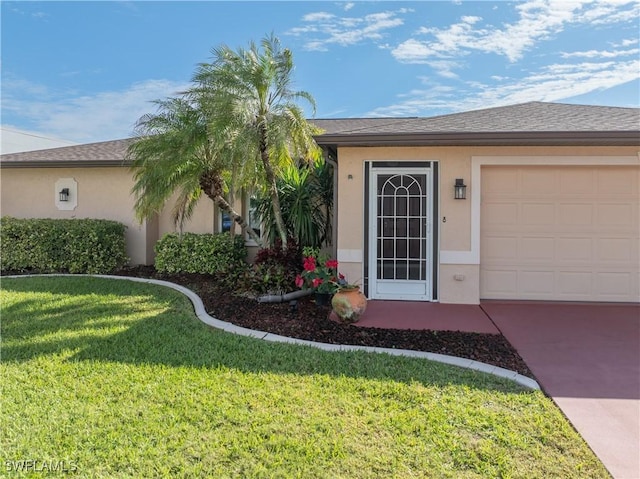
(45, 245)
(199, 253)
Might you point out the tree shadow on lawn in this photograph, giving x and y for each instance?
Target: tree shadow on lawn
(174, 336)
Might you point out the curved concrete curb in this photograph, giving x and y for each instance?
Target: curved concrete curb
(232, 328)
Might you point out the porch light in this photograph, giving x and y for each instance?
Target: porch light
(64, 194)
(460, 190)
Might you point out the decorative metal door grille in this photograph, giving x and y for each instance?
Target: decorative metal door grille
(401, 217)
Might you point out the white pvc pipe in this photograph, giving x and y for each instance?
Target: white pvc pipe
(277, 298)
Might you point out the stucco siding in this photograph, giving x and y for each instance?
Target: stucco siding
(458, 250)
(102, 193)
(201, 222)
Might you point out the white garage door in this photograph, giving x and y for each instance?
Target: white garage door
(560, 233)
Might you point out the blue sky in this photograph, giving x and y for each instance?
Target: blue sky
(86, 71)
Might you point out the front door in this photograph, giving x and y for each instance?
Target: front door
(400, 239)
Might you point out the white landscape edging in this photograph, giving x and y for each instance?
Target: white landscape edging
(202, 315)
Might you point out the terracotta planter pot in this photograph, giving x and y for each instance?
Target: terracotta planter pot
(349, 304)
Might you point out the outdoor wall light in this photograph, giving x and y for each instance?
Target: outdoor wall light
(460, 190)
(64, 194)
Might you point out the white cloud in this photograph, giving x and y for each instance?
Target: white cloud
(537, 20)
(626, 43)
(318, 17)
(85, 118)
(348, 6)
(611, 11)
(413, 51)
(601, 53)
(323, 29)
(552, 83)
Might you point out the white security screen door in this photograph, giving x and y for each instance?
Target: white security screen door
(400, 248)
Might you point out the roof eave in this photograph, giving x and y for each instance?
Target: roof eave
(573, 138)
(64, 164)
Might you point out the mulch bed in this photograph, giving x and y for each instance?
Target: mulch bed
(311, 322)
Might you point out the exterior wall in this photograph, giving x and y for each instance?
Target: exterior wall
(459, 254)
(102, 193)
(202, 220)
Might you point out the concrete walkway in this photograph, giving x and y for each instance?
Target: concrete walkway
(587, 358)
(423, 315)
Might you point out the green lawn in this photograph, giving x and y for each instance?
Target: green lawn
(111, 378)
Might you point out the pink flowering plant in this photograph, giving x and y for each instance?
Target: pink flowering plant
(319, 273)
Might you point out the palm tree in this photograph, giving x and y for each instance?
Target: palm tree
(251, 106)
(174, 152)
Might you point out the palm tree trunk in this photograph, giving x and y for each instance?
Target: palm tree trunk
(273, 189)
(211, 184)
(227, 208)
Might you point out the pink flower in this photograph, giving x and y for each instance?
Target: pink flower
(332, 263)
(299, 281)
(341, 276)
(316, 282)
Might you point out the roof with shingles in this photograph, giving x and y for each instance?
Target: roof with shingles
(533, 123)
(104, 153)
(523, 124)
(525, 117)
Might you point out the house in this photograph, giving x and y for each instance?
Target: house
(537, 201)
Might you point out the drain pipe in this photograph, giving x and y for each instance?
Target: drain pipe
(283, 298)
(334, 215)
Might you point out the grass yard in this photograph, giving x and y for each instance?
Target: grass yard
(109, 378)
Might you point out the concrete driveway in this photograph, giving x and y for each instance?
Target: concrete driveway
(585, 356)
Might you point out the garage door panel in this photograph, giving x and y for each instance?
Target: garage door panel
(575, 250)
(537, 182)
(565, 233)
(579, 214)
(615, 214)
(503, 182)
(538, 214)
(580, 182)
(501, 248)
(614, 285)
(616, 182)
(621, 250)
(537, 249)
(538, 282)
(575, 284)
(500, 283)
(499, 213)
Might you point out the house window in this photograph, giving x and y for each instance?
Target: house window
(225, 222)
(251, 216)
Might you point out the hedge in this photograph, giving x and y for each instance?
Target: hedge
(62, 245)
(199, 253)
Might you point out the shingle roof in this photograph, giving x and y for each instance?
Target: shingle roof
(526, 117)
(524, 124)
(105, 153)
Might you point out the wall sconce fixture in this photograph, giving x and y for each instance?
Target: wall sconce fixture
(460, 190)
(64, 194)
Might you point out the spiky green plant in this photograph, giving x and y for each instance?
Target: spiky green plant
(306, 194)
